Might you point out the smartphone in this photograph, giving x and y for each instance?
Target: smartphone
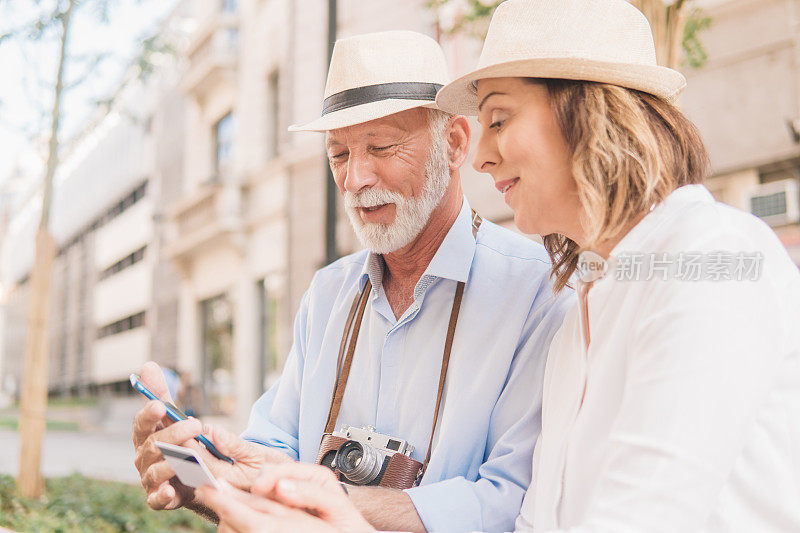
(177, 415)
(188, 465)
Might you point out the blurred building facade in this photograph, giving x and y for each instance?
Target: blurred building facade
(208, 219)
(114, 293)
(200, 219)
(746, 102)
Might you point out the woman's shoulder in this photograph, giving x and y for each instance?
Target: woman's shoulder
(703, 224)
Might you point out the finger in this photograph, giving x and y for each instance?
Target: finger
(166, 497)
(179, 432)
(234, 513)
(229, 443)
(269, 476)
(156, 475)
(153, 379)
(147, 420)
(258, 503)
(325, 501)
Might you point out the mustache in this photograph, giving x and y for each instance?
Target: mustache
(372, 198)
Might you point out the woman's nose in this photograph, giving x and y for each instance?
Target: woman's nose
(486, 155)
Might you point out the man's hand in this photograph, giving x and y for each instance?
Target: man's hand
(164, 491)
(249, 458)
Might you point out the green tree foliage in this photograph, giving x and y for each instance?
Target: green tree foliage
(694, 54)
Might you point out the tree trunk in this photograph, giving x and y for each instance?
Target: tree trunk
(34, 390)
(667, 25)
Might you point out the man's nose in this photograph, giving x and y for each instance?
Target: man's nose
(486, 155)
(360, 174)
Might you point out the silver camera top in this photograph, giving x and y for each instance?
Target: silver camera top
(368, 435)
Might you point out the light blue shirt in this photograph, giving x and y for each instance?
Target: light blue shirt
(491, 409)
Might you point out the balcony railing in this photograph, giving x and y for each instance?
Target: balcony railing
(213, 54)
(214, 212)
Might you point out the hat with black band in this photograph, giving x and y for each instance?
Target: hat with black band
(378, 74)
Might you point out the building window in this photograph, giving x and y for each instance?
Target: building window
(229, 6)
(124, 204)
(269, 360)
(273, 113)
(223, 140)
(127, 261)
(126, 324)
(232, 41)
(217, 338)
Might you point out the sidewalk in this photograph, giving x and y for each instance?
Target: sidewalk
(93, 454)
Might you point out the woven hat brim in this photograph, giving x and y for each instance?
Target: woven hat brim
(360, 114)
(460, 96)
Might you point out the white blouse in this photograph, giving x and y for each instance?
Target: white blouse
(684, 413)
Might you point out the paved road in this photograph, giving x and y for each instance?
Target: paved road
(97, 455)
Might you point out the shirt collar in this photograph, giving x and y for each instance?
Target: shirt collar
(682, 196)
(453, 259)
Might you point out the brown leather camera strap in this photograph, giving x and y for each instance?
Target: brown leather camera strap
(343, 371)
(448, 345)
(345, 359)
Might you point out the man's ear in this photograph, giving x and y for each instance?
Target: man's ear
(457, 136)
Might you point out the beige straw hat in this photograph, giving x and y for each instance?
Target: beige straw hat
(607, 41)
(378, 74)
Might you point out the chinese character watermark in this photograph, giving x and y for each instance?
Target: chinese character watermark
(718, 265)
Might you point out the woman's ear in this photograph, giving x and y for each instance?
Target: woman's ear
(457, 141)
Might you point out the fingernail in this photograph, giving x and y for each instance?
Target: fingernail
(287, 485)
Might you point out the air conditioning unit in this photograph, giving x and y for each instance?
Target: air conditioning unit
(777, 202)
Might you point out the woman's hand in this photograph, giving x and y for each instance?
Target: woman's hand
(313, 488)
(241, 512)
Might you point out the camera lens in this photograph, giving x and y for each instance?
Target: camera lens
(360, 464)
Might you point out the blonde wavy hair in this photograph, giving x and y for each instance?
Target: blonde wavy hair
(629, 151)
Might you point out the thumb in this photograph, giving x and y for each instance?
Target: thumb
(153, 379)
(323, 500)
(229, 443)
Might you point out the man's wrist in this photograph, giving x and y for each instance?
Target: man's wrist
(197, 507)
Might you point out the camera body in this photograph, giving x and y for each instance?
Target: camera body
(362, 456)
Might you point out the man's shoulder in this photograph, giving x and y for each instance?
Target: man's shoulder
(338, 275)
(505, 244)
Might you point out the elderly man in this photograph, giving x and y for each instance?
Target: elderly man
(435, 335)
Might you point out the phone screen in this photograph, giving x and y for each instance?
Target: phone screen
(188, 466)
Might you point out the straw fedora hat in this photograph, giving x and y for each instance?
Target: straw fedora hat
(607, 41)
(378, 74)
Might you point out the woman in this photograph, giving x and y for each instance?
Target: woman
(672, 391)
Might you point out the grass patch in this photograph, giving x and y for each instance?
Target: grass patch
(78, 504)
(51, 425)
(89, 401)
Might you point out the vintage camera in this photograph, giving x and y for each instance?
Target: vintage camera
(362, 456)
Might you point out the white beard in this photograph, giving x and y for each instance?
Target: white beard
(411, 214)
